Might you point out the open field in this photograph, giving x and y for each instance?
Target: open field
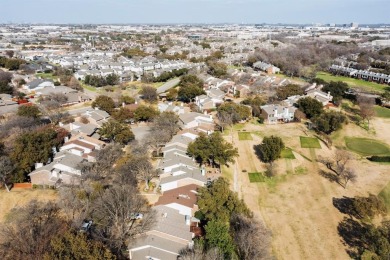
(242, 136)
(297, 207)
(21, 197)
(382, 112)
(365, 146)
(309, 142)
(353, 83)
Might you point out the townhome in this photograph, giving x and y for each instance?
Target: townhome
(269, 68)
(65, 169)
(277, 113)
(170, 234)
(194, 119)
(182, 199)
(37, 84)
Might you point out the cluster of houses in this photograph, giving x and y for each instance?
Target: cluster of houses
(45, 87)
(80, 146)
(266, 67)
(180, 178)
(360, 74)
(285, 111)
(100, 63)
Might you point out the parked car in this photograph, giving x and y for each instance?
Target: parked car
(86, 225)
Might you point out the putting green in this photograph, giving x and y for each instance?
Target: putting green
(366, 146)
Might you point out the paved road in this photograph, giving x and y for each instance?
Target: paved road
(170, 84)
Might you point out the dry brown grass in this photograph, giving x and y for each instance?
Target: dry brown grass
(21, 197)
(298, 208)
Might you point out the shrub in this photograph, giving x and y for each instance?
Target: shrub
(379, 158)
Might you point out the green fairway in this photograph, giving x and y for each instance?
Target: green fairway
(354, 83)
(382, 112)
(243, 136)
(287, 154)
(365, 146)
(256, 177)
(385, 195)
(309, 142)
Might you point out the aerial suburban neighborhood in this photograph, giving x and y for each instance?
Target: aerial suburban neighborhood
(194, 141)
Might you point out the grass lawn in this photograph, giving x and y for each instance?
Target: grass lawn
(242, 136)
(385, 195)
(287, 154)
(158, 84)
(227, 172)
(256, 177)
(309, 142)
(46, 76)
(88, 87)
(366, 146)
(382, 112)
(354, 83)
(238, 127)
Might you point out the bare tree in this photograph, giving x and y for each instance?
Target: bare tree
(105, 162)
(251, 237)
(114, 216)
(6, 168)
(225, 119)
(338, 164)
(346, 176)
(367, 111)
(29, 230)
(141, 168)
(149, 93)
(197, 253)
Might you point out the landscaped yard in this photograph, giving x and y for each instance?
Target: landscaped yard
(365, 146)
(385, 195)
(357, 83)
(382, 112)
(242, 136)
(287, 154)
(256, 177)
(309, 142)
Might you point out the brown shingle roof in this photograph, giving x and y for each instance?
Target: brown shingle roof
(80, 143)
(185, 196)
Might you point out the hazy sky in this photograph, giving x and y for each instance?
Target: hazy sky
(195, 11)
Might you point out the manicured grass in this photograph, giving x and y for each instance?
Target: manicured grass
(354, 83)
(46, 76)
(309, 142)
(382, 112)
(287, 154)
(385, 195)
(256, 177)
(238, 126)
(365, 146)
(243, 136)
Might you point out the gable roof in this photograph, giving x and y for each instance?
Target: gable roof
(186, 196)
